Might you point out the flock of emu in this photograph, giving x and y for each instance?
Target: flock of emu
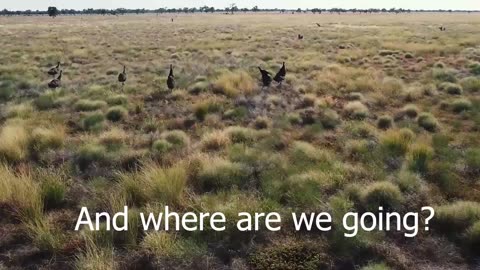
(122, 77)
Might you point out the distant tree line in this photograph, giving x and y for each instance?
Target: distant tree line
(53, 11)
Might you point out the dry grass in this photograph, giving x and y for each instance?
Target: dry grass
(234, 84)
(22, 193)
(14, 141)
(375, 109)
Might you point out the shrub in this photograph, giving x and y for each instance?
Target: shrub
(90, 154)
(411, 110)
(471, 84)
(116, 113)
(85, 105)
(43, 139)
(329, 119)
(221, 174)
(262, 122)
(177, 138)
(93, 121)
(14, 142)
(117, 100)
(428, 122)
(419, 156)
(457, 216)
(356, 110)
(235, 84)
(383, 194)
(384, 122)
(215, 141)
(461, 105)
(162, 146)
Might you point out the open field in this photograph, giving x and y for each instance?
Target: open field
(375, 110)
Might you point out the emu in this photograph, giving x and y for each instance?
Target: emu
(55, 83)
(122, 77)
(54, 70)
(280, 76)
(266, 77)
(442, 28)
(300, 36)
(171, 79)
(319, 25)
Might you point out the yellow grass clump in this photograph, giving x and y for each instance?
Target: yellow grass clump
(234, 84)
(13, 143)
(21, 192)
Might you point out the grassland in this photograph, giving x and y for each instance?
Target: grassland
(376, 109)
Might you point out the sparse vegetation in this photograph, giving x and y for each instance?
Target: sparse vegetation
(375, 110)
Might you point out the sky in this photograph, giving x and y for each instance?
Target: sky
(287, 4)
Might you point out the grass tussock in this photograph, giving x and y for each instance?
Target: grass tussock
(22, 192)
(356, 110)
(166, 245)
(233, 84)
(166, 185)
(14, 140)
(457, 216)
(43, 139)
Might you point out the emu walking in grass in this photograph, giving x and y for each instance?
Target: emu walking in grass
(300, 36)
(171, 79)
(54, 70)
(55, 83)
(266, 77)
(122, 77)
(280, 76)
